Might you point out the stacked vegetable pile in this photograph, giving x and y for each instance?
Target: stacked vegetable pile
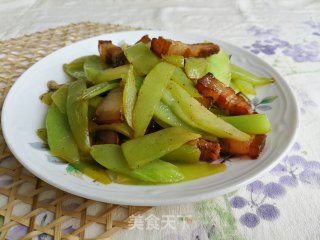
(153, 112)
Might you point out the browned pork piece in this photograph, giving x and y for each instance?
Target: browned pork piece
(224, 97)
(145, 39)
(162, 46)
(210, 151)
(111, 54)
(251, 148)
(110, 109)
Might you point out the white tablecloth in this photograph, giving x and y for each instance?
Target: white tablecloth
(284, 33)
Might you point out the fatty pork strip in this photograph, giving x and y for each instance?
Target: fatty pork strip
(210, 151)
(110, 109)
(145, 39)
(233, 104)
(161, 46)
(224, 97)
(111, 54)
(251, 148)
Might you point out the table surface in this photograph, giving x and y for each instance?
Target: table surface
(283, 203)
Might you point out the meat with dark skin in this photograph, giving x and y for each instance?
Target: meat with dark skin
(111, 54)
(161, 46)
(224, 97)
(145, 39)
(251, 148)
(210, 151)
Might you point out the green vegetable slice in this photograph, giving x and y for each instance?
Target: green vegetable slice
(96, 90)
(142, 58)
(164, 114)
(129, 96)
(110, 156)
(77, 112)
(75, 68)
(94, 171)
(159, 172)
(149, 96)
(176, 60)
(59, 97)
(195, 68)
(198, 170)
(252, 124)
(176, 109)
(190, 171)
(111, 74)
(142, 150)
(234, 86)
(205, 120)
(241, 74)
(219, 66)
(139, 80)
(187, 153)
(180, 77)
(92, 66)
(244, 87)
(60, 139)
(165, 117)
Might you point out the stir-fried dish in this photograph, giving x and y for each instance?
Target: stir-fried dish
(158, 111)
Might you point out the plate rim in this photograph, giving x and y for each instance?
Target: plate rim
(177, 199)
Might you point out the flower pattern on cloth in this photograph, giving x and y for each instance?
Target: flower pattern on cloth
(294, 170)
(269, 43)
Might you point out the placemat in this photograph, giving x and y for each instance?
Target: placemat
(30, 207)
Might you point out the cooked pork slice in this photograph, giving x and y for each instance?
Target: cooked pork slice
(224, 97)
(145, 39)
(111, 54)
(110, 109)
(162, 46)
(210, 151)
(251, 148)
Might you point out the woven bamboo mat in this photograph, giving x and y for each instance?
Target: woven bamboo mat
(30, 208)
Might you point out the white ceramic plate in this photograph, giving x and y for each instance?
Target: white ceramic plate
(23, 114)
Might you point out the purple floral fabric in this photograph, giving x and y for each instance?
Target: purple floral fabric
(269, 42)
